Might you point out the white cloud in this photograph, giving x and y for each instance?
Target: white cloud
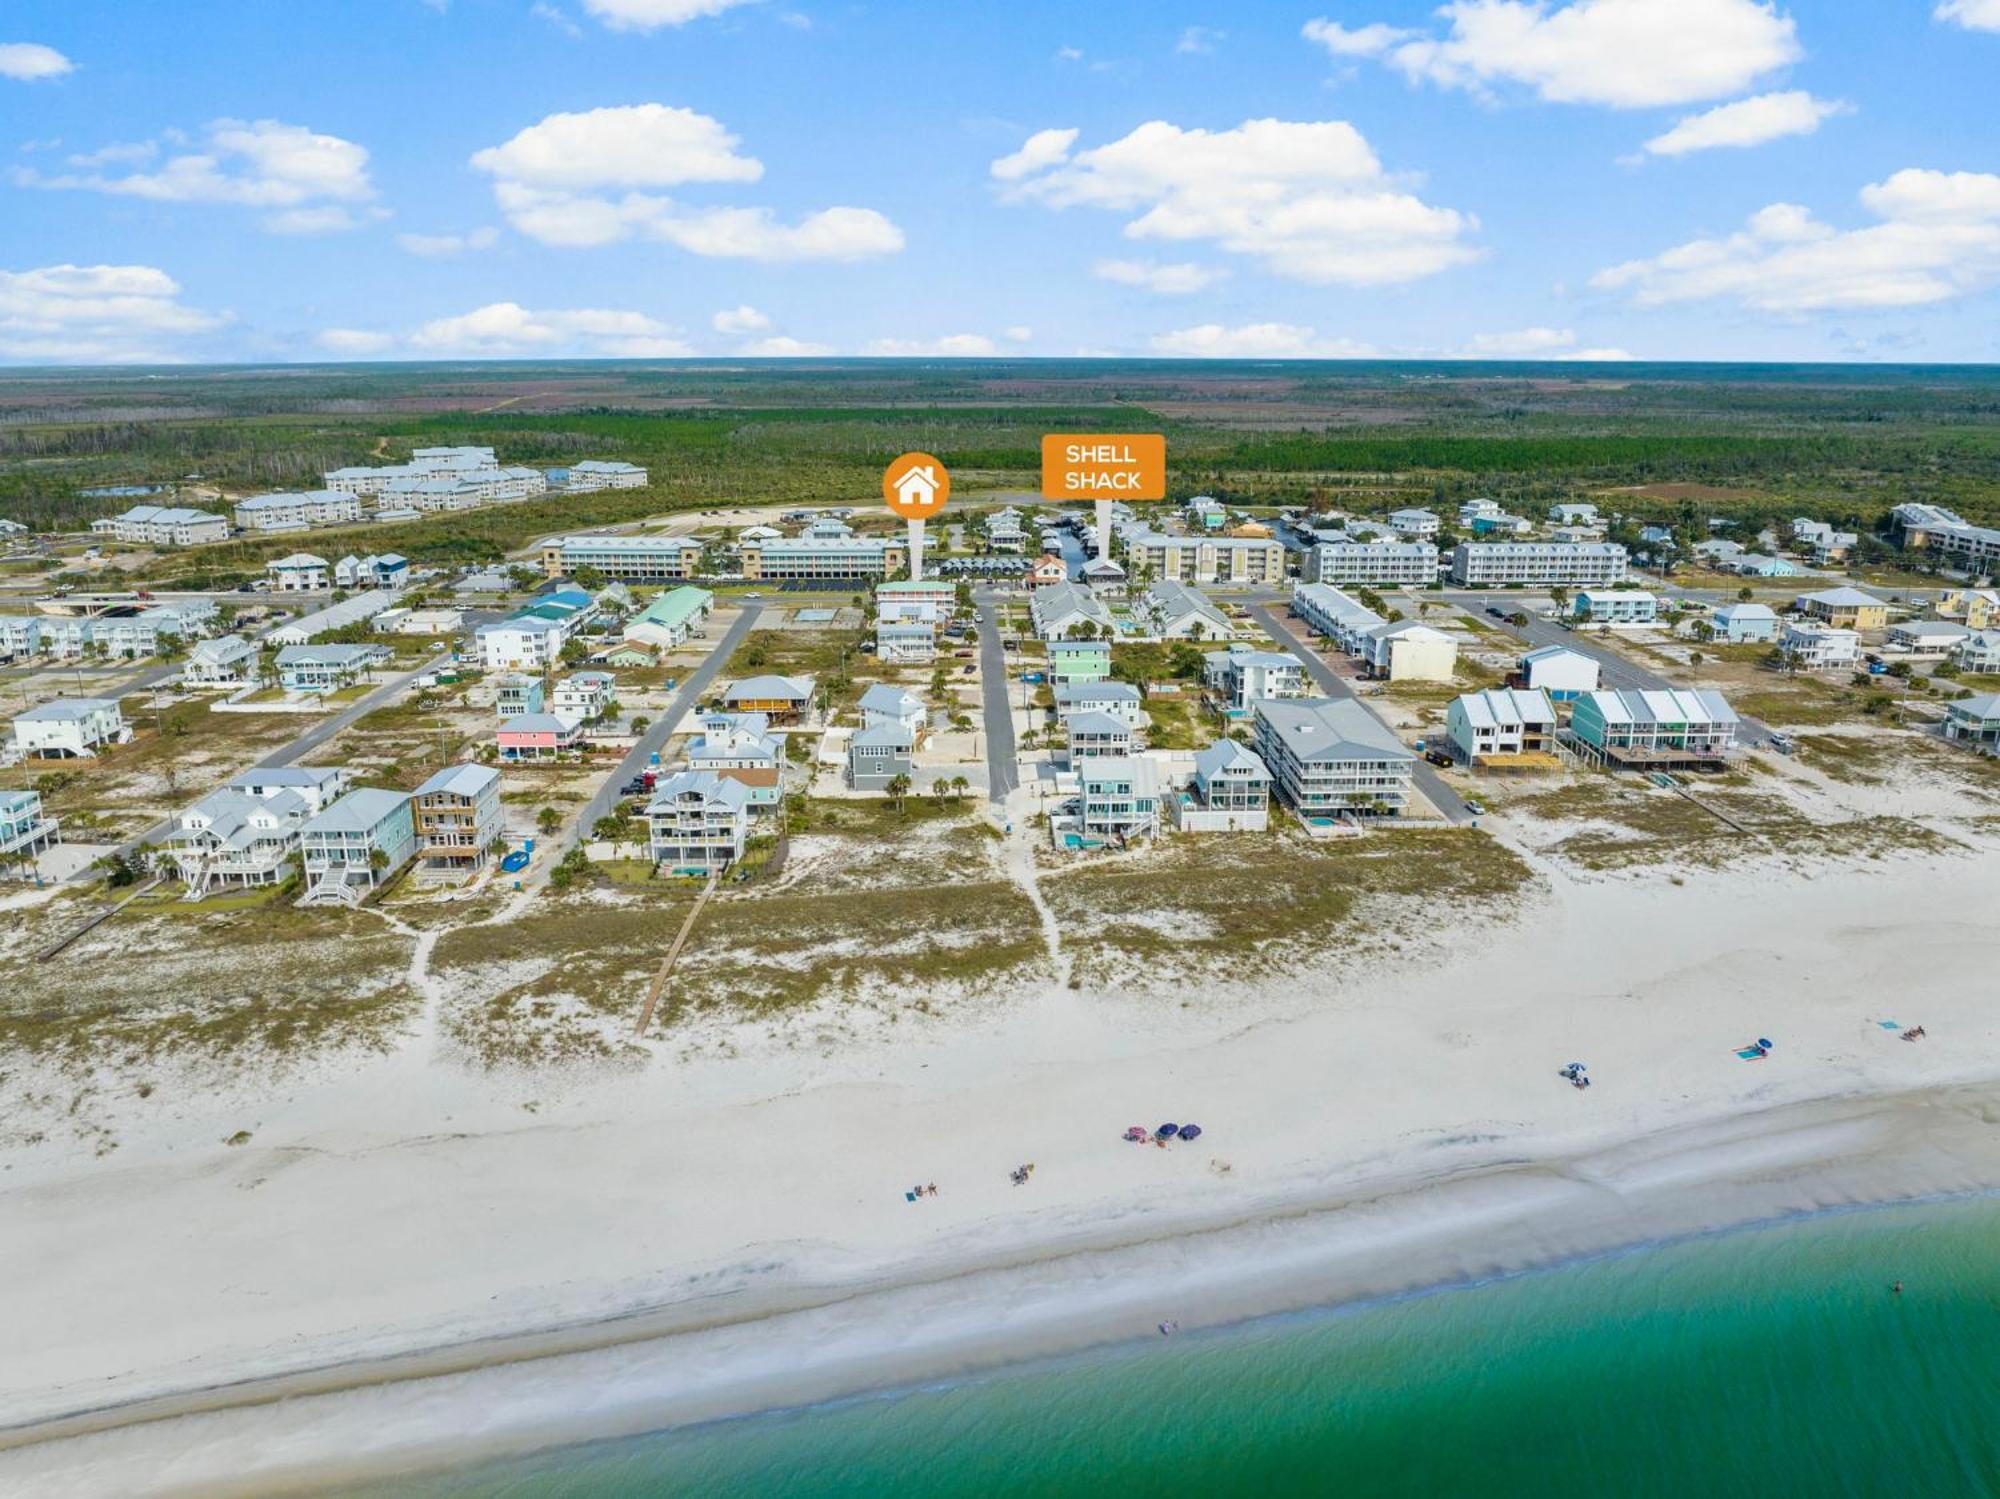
(95, 314)
(1536, 343)
(1020, 333)
(778, 346)
(557, 17)
(355, 341)
(745, 319)
(650, 15)
(1628, 54)
(1197, 40)
(628, 145)
(509, 328)
(1174, 280)
(1309, 200)
(1357, 41)
(1974, 15)
(951, 346)
(29, 62)
(1043, 149)
(444, 246)
(1939, 239)
(1257, 341)
(311, 182)
(574, 180)
(1747, 122)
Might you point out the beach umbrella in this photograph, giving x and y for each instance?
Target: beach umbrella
(1190, 1131)
(1136, 1132)
(1167, 1131)
(1764, 1043)
(1578, 1067)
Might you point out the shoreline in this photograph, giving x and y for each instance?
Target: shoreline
(1365, 1240)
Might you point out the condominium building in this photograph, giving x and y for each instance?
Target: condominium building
(163, 525)
(594, 474)
(629, 559)
(1393, 562)
(1329, 612)
(1205, 559)
(1534, 563)
(1654, 730)
(1948, 536)
(1331, 757)
(822, 557)
(296, 512)
(1615, 606)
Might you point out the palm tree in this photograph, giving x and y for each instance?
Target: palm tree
(548, 820)
(898, 790)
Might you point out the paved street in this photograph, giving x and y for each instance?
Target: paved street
(1003, 768)
(1448, 802)
(657, 733)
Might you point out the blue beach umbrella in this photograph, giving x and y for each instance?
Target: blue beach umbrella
(1167, 1131)
(1190, 1131)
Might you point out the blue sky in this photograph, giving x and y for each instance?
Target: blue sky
(644, 178)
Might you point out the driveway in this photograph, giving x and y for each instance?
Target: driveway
(1003, 766)
(1448, 802)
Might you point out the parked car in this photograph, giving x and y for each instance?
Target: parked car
(1475, 807)
(1496, 611)
(968, 669)
(1437, 757)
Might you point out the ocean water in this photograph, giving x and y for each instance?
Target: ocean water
(1769, 1361)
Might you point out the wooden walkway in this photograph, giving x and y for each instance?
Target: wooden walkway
(674, 954)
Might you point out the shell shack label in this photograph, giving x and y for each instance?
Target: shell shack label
(1104, 466)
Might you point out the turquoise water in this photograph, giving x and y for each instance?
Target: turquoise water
(1772, 1361)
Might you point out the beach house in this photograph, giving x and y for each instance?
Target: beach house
(457, 816)
(783, 700)
(25, 830)
(238, 839)
(1118, 798)
(1807, 645)
(1979, 608)
(697, 821)
(356, 845)
(1979, 653)
(20, 635)
(1558, 671)
(319, 786)
(1230, 792)
(1119, 700)
(1090, 733)
(741, 747)
(1331, 757)
(1241, 675)
(1503, 727)
(931, 600)
(1175, 611)
(1063, 611)
(517, 695)
(1743, 624)
(301, 572)
(1844, 609)
(1927, 637)
(1079, 660)
(1975, 721)
(884, 704)
(587, 695)
(327, 668)
(225, 661)
(1665, 729)
(905, 641)
(1614, 606)
(672, 619)
(878, 755)
(69, 728)
(1416, 523)
(538, 736)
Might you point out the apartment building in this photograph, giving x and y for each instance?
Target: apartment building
(822, 557)
(1329, 612)
(1204, 559)
(1537, 563)
(1615, 606)
(593, 474)
(1947, 536)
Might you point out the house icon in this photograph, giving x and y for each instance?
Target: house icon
(917, 487)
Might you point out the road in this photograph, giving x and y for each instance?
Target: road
(1615, 672)
(655, 738)
(1003, 767)
(1448, 802)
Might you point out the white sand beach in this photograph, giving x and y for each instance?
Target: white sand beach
(435, 1261)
